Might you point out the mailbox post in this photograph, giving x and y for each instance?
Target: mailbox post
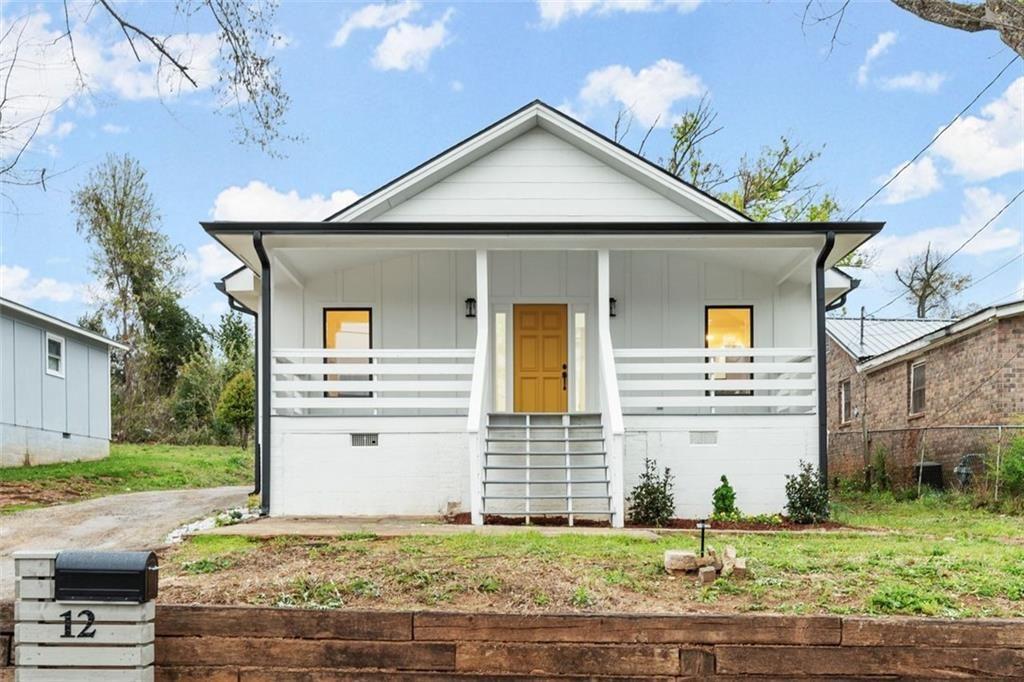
(84, 616)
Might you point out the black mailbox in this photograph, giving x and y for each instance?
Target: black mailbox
(106, 576)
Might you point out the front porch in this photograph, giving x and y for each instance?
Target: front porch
(401, 381)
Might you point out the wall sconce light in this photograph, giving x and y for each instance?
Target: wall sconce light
(470, 307)
(612, 307)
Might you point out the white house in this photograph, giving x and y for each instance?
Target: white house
(54, 389)
(513, 326)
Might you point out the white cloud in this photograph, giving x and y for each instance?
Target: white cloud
(882, 43)
(456, 86)
(114, 129)
(980, 204)
(409, 46)
(213, 261)
(44, 79)
(920, 179)
(374, 16)
(259, 201)
(915, 81)
(18, 284)
(649, 93)
(554, 12)
(990, 145)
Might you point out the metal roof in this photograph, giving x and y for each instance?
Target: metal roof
(880, 335)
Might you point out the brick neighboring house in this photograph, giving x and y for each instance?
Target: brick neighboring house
(907, 376)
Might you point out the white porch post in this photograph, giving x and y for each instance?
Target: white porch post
(476, 426)
(611, 406)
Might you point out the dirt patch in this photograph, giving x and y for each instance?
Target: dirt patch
(19, 494)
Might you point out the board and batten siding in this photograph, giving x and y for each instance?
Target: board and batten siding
(661, 298)
(37, 409)
(417, 301)
(537, 176)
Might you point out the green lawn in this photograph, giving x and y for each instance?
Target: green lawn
(129, 468)
(931, 557)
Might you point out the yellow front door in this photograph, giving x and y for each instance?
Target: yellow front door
(541, 352)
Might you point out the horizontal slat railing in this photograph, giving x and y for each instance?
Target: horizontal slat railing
(314, 381)
(681, 380)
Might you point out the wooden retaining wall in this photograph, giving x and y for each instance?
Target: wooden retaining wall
(236, 644)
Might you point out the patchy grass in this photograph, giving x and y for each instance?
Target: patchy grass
(937, 561)
(129, 468)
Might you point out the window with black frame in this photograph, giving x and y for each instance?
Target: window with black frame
(348, 329)
(729, 328)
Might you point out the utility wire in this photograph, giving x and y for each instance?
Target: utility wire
(930, 143)
(959, 248)
(1005, 265)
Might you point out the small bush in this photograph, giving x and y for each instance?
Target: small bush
(879, 472)
(1011, 469)
(581, 598)
(652, 502)
(724, 501)
(807, 496)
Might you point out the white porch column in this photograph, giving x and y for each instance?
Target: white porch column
(476, 423)
(611, 405)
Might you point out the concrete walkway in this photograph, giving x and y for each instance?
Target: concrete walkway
(391, 526)
(131, 521)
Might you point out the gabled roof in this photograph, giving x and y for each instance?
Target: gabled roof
(950, 330)
(533, 115)
(880, 335)
(57, 322)
(886, 340)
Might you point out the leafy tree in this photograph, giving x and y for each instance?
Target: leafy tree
(172, 335)
(769, 186)
(133, 262)
(196, 394)
(930, 282)
(235, 342)
(236, 406)
(807, 496)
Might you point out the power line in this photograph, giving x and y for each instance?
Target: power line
(959, 248)
(1000, 268)
(930, 143)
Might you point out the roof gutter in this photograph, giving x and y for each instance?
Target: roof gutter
(263, 344)
(819, 299)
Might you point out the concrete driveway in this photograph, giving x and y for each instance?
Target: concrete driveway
(131, 521)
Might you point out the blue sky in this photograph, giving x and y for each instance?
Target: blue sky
(376, 89)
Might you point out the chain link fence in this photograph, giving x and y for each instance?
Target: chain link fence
(960, 451)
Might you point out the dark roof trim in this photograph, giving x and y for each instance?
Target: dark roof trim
(510, 116)
(496, 228)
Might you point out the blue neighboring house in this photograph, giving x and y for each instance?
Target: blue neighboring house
(54, 389)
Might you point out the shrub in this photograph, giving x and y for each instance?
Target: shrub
(1011, 469)
(879, 472)
(652, 502)
(724, 501)
(807, 496)
(236, 406)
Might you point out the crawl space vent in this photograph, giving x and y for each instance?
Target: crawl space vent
(703, 437)
(364, 440)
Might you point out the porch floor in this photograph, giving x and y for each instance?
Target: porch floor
(397, 526)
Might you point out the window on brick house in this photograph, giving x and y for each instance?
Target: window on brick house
(917, 388)
(845, 402)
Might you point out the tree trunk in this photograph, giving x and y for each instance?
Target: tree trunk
(1004, 16)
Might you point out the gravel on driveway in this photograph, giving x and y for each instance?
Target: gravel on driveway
(131, 521)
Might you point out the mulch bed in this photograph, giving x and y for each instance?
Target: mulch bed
(785, 524)
(463, 519)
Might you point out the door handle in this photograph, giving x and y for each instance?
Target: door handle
(565, 377)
